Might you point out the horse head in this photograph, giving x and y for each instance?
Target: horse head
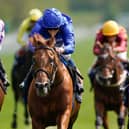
(110, 71)
(45, 64)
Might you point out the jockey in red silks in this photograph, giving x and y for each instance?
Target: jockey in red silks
(3, 75)
(54, 23)
(116, 36)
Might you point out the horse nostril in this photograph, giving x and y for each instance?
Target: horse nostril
(46, 84)
(38, 85)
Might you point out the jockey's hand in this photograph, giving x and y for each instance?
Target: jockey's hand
(113, 44)
(59, 50)
(115, 50)
(99, 44)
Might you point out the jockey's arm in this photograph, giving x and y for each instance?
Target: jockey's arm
(68, 39)
(120, 48)
(98, 43)
(22, 31)
(97, 48)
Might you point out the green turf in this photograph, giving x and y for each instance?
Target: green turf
(84, 58)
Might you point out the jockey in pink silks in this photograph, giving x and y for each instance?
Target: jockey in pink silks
(116, 36)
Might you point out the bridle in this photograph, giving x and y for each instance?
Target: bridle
(51, 76)
(106, 81)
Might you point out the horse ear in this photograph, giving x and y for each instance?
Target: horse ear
(38, 40)
(32, 40)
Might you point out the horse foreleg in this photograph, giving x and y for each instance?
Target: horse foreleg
(121, 117)
(14, 122)
(36, 124)
(74, 114)
(105, 121)
(26, 115)
(128, 123)
(63, 119)
(100, 115)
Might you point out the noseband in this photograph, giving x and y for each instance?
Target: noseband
(51, 76)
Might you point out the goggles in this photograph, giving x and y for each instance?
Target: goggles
(52, 28)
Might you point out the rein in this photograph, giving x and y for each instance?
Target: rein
(120, 82)
(44, 47)
(3, 88)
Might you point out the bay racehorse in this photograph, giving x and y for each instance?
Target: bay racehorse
(110, 76)
(22, 63)
(51, 99)
(2, 94)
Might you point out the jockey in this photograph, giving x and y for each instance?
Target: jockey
(3, 75)
(24, 30)
(116, 36)
(59, 25)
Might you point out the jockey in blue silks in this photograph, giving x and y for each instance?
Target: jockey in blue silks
(59, 24)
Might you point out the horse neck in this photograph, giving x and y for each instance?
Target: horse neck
(61, 72)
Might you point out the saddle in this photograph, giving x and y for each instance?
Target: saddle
(73, 73)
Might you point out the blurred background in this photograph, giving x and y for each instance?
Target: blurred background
(86, 12)
(87, 16)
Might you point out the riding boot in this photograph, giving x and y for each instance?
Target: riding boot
(78, 86)
(91, 76)
(126, 67)
(79, 92)
(76, 77)
(3, 76)
(91, 73)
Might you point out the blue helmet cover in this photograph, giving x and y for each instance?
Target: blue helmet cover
(52, 18)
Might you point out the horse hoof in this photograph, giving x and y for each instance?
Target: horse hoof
(14, 125)
(27, 122)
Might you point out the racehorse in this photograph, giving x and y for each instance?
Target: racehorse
(18, 73)
(110, 76)
(2, 94)
(51, 99)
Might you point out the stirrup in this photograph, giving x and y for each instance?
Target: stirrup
(80, 88)
(78, 97)
(6, 83)
(22, 85)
